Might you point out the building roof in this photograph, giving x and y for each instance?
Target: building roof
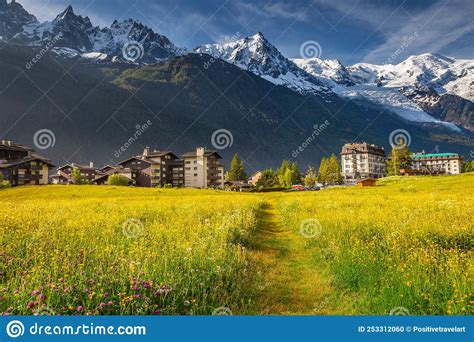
(30, 158)
(78, 166)
(206, 153)
(159, 153)
(149, 156)
(255, 173)
(427, 155)
(363, 147)
(6, 144)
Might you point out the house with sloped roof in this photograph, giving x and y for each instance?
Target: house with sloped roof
(64, 173)
(21, 165)
(155, 168)
(109, 170)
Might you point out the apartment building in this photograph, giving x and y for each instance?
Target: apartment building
(155, 168)
(362, 160)
(202, 169)
(20, 165)
(437, 163)
(64, 173)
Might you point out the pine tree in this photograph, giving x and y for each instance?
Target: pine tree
(399, 158)
(237, 170)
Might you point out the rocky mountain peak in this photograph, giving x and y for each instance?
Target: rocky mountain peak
(257, 55)
(13, 17)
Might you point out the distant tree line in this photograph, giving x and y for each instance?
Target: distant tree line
(289, 174)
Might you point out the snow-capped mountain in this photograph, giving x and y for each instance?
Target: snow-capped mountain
(13, 18)
(428, 88)
(424, 88)
(412, 89)
(443, 74)
(330, 70)
(74, 35)
(257, 55)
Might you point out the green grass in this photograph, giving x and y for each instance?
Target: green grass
(408, 242)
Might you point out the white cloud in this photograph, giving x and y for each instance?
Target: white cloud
(438, 26)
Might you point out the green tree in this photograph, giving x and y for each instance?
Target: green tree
(323, 173)
(288, 174)
(399, 158)
(118, 180)
(237, 170)
(311, 177)
(77, 178)
(267, 180)
(334, 175)
(281, 173)
(468, 166)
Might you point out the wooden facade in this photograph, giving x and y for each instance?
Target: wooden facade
(20, 165)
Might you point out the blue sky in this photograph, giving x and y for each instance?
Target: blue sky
(353, 31)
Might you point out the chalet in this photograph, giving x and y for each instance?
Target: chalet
(64, 173)
(20, 165)
(202, 169)
(236, 186)
(253, 179)
(155, 168)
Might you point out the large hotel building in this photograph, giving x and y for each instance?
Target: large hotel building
(362, 160)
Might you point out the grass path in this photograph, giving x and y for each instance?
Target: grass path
(292, 282)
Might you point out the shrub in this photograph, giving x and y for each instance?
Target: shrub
(5, 185)
(118, 180)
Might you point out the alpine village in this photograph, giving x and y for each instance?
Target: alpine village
(360, 164)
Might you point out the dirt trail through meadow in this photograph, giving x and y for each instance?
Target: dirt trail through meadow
(292, 282)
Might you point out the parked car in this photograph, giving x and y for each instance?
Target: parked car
(298, 188)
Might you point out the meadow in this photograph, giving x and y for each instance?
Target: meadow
(404, 246)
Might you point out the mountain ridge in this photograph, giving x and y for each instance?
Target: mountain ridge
(95, 107)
